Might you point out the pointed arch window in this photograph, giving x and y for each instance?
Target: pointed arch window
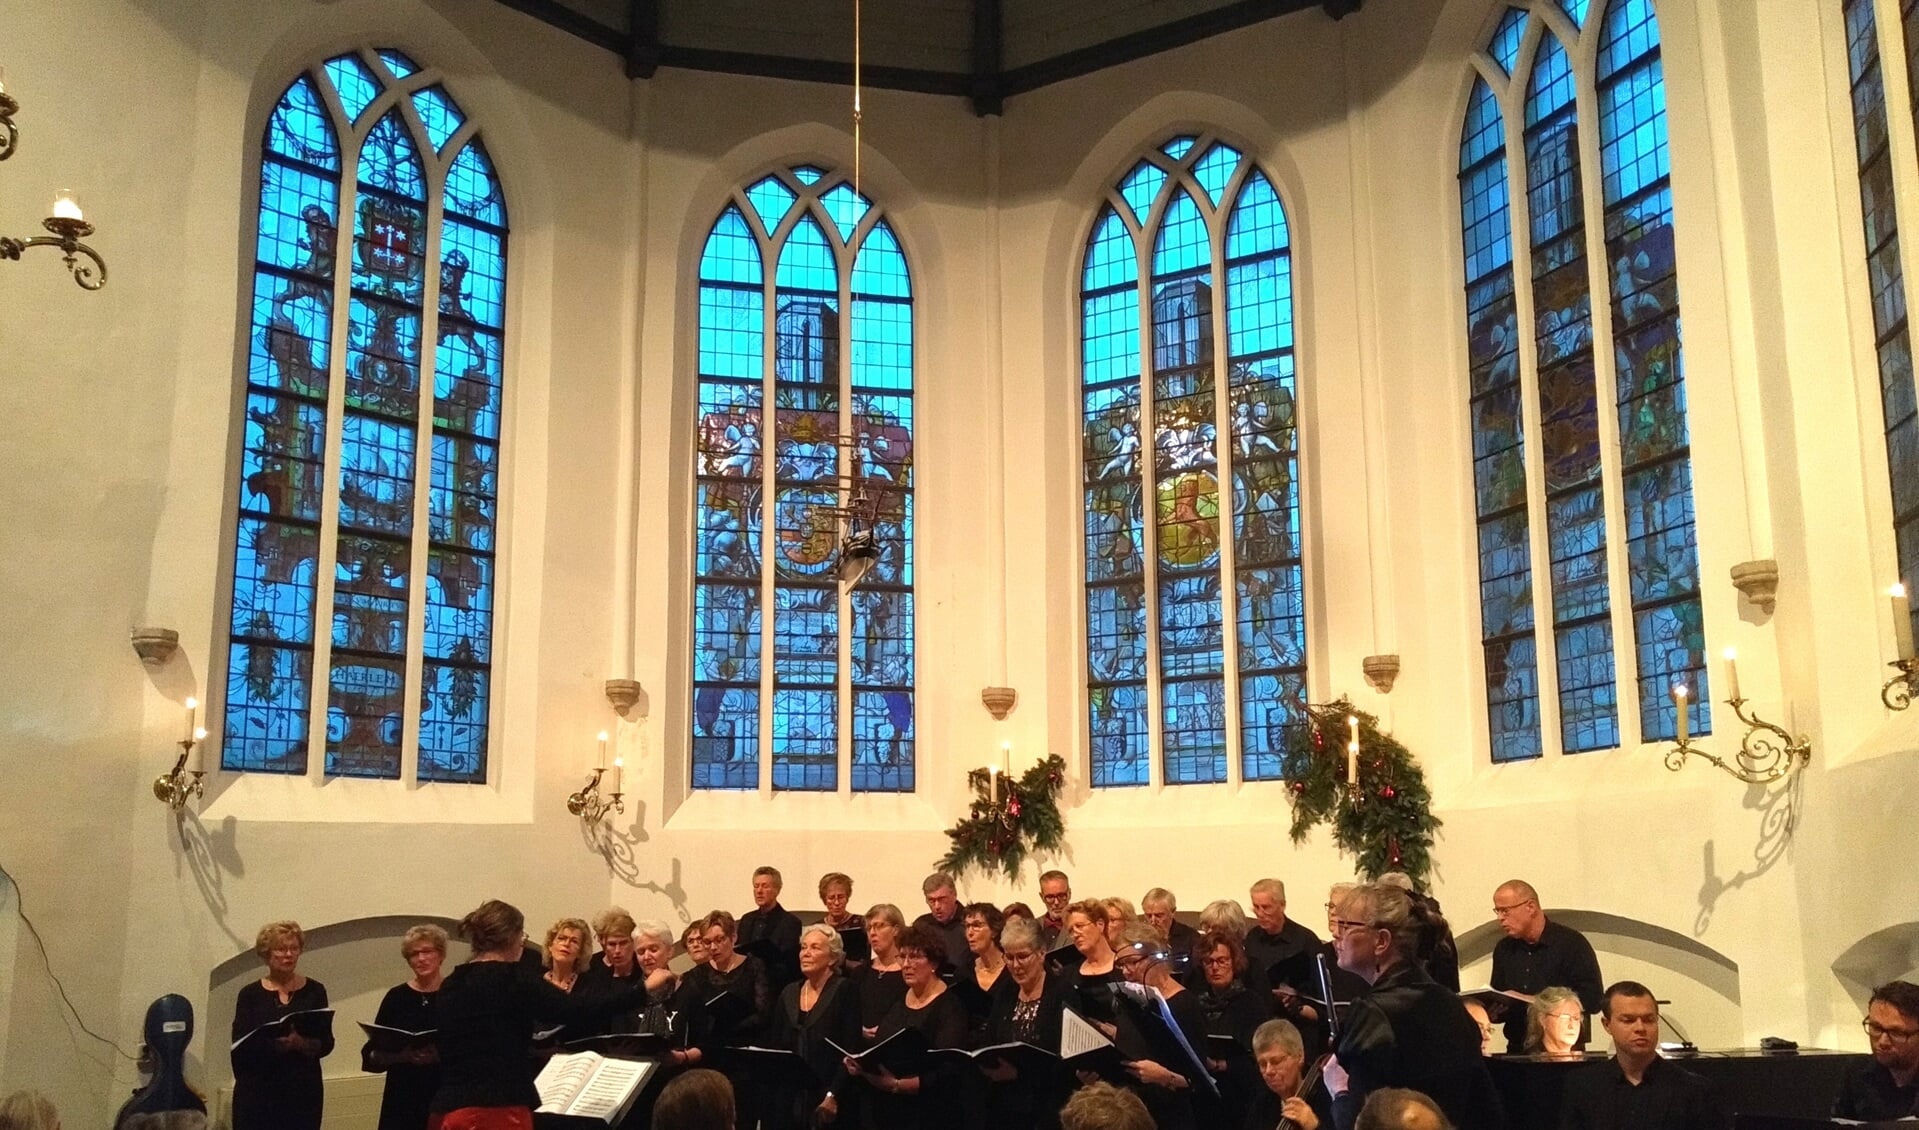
(1608, 526)
(806, 305)
(367, 489)
(1195, 601)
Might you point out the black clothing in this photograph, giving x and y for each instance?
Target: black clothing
(1410, 1032)
(409, 1087)
(1265, 1111)
(879, 990)
(1600, 1097)
(1437, 950)
(978, 1001)
(1869, 1095)
(274, 1089)
(1264, 950)
(600, 982)
(487, 1009)
(958, 957)
(1181, 938)
(1091, 994)
(778, 929)
(835, 1016)
(1562, 956)
(1191, 1107)
(937, 1106)
(711, 1034)
(1051, 930)
(1237, 1013)
(1023, 1102)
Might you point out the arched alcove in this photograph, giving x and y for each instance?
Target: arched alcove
(1891, 954)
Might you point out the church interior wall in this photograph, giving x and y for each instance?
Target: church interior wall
(117, 433)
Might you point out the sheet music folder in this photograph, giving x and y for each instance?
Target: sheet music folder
(313, 1023)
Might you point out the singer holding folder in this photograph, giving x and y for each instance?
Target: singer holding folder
(412, 1066)
(276, 1074)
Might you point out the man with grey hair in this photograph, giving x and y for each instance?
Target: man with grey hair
(1158, 906)
(943, 917)
(1536, 953)
(1056, 893)
(771, 931)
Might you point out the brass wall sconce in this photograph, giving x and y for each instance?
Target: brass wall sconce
(1767, 752)
(1898, 691)
(67, 223)
(601, 795)
(185, 780)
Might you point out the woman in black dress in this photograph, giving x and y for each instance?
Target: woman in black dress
(1090, 982)
(1234, 1012)
(412, 1074)
(929, 1100)
(1180, 1095)
(721, 1024)
(979, 985)
(819, 1010)
(276, 1079)
(1027, 1012)
(880, 982)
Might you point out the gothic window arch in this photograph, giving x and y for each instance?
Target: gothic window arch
(1606, 527)
(367, 488)
(806, 303)
(1195, 601)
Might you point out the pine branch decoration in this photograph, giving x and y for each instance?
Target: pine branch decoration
(1032, 822)
(1387, 823)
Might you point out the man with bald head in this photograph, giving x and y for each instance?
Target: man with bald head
(1537, 953)
(1397, 1108)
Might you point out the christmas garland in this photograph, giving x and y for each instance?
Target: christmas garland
(999, 833)
(1387, 822)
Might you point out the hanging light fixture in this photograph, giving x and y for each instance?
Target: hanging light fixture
(66, 222)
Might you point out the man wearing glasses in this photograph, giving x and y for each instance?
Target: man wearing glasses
(1887, 1088)
(1536, 953)
(1056, 891)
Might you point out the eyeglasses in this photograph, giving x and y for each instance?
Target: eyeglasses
(1341, 925)
(1503, 911)
(1051, 899)
(1896, 1035)
(1221, 961)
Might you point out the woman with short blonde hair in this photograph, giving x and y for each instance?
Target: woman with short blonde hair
(412, 1067)
(570, 958)
(276, 1071)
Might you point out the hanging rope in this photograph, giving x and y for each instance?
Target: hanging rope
(856, 97)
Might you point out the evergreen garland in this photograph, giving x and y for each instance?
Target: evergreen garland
(1031, 822)
(1387, 823)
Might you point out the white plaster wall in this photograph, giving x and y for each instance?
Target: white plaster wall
(116, 437)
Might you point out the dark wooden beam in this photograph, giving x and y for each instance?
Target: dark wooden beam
(643, 38)
(1151, 41)
(989, 31)
(1340, 9)
(813, 70)
(566, 19)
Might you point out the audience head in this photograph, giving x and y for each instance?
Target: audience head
(652, 945)
(766, 886)
(1224, 915)
(1377, 927)
(1486, 1027)
(821, 950)
(1025, 957)
(1553, 1020)
(719, 930)
(424, 948)
(694, 944)
(28, 1110)
(1631, 1017)
(496, 928)
(614, 929)
(922, 952)
(1516, 905)
(700, 1099)
(1396, 1108)
(1103, 1106)
(1892, 1025)
(1221, 957)
(1017, 910)
(1056, 892)
(983, 925)
(1086, 922)
(1281, 1055)
(280, 945)
(884, 922)
(1157, 906)
(942, 901)
(1269, 905)
(836, 890)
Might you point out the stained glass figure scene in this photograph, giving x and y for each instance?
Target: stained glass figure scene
(805, 300)
(353, 424)
(1215, 468)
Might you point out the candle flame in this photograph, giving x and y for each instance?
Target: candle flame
(200, 734)
(1898, 590)
(1679, 690)
(1732, 653)
(192, 703)
(602, 735)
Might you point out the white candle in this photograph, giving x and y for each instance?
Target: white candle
(612, 782)
(65, 207)
(197, 761)
(602, 749)
(1352, 763)
(1006, 757)
(1901, 621)
(193, 704)
(1732, 673)
(1679, 693)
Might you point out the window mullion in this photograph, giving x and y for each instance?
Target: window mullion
(1228, 515)
(419, 549)
(846, 464)
(769, 444)
(1149, 514)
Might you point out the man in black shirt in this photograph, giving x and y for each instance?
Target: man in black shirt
(1158, 906)
(1886, 1089)
(771, 931)
(1536, 953)
(1056, 891)
(1273, 937)
(1636, 1090)
(944, 918)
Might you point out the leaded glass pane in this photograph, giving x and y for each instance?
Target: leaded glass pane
(846, 208)
(1111, 259)
(355, 85)
(440, 117)
(1576, 10)
(472, 190)
(772, 200)
(1215, 169)
(301, 130)
(1506, 38)
(398, 63)
(1178, 147)
(1140, 188)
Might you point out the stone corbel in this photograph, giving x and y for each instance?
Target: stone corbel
(155, 646)
(1381, 671)
(999, 701)
(1759, 581)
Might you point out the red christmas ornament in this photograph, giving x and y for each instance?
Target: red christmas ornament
(1012, 807)
(1387, 792)
(1392, 849)
(1319, 740)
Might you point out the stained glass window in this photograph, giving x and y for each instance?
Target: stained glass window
(410, 405)
(1196, 640)
(1570, 541)
(806, 302)
(1892, 340)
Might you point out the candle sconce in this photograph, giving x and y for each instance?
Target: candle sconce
(67, 224)
(600, 796)
(1767, 753)
(181, 784)
(1899, 690)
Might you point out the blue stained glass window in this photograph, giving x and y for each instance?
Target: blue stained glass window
(355, 85)
(1507, 37)
(1891, 333)
(438, 115)
(398, 63)
(1216, 585)
(1576, 10)
(838, 427)
(386, 453)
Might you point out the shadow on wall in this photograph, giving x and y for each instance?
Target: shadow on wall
(1778, 809)
(211, 854)
(1891, 954)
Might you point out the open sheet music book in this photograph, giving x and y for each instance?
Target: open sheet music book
(591, 1086)
(314, 1023)
(1496, 1001)
(395, 1040)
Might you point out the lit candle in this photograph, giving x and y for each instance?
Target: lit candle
(65, 207)
(1679, 693)
(196, 762)
(1352, 763)
(3, 80)
(1352, 729)
(1006, 758)
(613, 775)
(602, 749)
(1901, 621)
(193, 704)
(1732, 673)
